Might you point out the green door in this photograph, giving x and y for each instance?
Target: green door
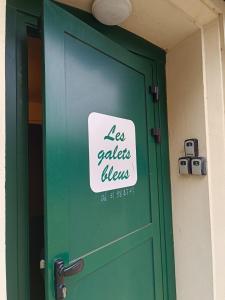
(101, 193)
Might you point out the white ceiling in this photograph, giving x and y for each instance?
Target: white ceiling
(163, 22)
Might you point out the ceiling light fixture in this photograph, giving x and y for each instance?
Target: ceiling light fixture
(111, 12)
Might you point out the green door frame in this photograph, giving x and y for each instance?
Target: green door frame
(22, 14)
(17, 215)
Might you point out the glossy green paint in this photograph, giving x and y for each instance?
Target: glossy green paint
(17, 230)
(165, 189)
(98, 75)
(157, 57)
(15, 263)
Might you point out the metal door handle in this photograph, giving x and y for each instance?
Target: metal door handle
(61, 271)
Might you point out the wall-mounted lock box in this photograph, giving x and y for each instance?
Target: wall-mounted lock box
(198, 166)
(191, 147)
(185, 165)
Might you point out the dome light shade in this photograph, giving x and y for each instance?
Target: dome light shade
(111, 12)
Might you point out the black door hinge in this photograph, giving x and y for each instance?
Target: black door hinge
(154, 90)
(156, 133)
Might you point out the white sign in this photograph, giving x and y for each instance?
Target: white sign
(112, 152)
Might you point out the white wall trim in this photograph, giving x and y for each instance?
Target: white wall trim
(207, 143)
(215, 122)
(218, 6)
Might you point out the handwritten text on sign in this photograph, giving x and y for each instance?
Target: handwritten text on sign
(112, 152)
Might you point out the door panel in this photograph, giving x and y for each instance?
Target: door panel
(116, 232)
(126, 277)
(106, 86)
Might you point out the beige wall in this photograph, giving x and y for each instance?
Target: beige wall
(190, 194)
(2, 150)
(195, 81)
(216, 148)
